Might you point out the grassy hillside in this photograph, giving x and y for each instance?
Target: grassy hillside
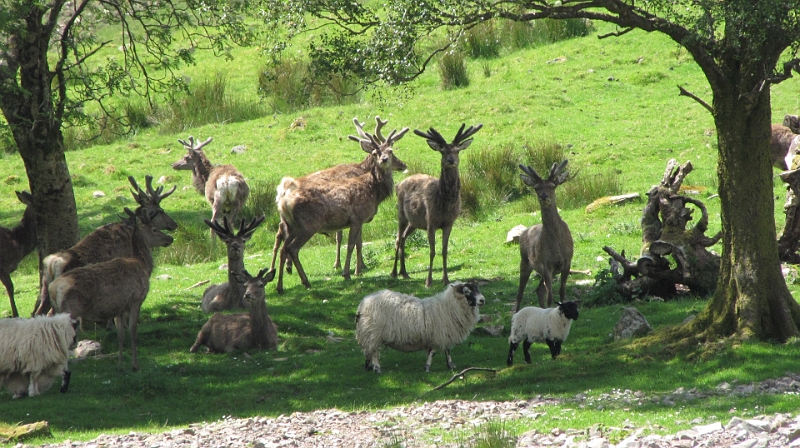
(613, 106)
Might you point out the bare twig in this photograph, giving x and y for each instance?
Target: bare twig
(685, 92)
(461, 373)
(616, 33)
(200, 283)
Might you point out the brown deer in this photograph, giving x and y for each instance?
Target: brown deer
(339, 172)
(224, 333)
(311, 207)
(15, 244)
(115, 288)
(107, 242)
(223, 186)
(547, 247)
(231, 293)
(781, 151)
(425, 202)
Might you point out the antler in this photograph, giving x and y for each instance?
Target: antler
(530, 172)
(432, 135)
(462, 135)
(395, 136)
(247, 230)
(558, 175)
(225, 231)
(191, 143)
(379, 124)
(156, 195)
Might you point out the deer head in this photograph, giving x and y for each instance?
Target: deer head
(254, 286)
(149, 203)
(152, 236)
(397, 164)
(450, 150)
(380, 149)
(194, 156)
(235, 241)
(545, 188)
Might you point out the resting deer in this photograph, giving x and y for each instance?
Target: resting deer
(223, 186)
(114, 288)
(547, 247)
(230, 294)
(15, 244)
(331, 174)
(425, 202)
(311, 207)
(107, 242)
(224, 333)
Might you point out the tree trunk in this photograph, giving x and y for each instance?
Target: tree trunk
(751, 299)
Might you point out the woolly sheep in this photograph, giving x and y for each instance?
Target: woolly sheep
(407, 324)
(34, 351)
(550, 325)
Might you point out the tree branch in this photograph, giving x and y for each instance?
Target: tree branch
(461, 373)
(616, 33)
(685, 92)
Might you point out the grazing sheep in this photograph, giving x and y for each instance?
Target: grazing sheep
(224, 333)
(550, 325)
(408, 324)
(34, 351)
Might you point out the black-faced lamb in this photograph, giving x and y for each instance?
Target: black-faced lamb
(224, 333)
(534, 324)
(408, 324)
(33, 352)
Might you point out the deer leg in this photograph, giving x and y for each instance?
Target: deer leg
(292, 247)
(120, 337)
(353, 235)
(361, 265)
(277, 246)
(432, 252)
(338, 263)
(5, 278)
(562, 293)
(43, 302)
(524, 275)
(133, 322)
(545, 289)
(445, 241)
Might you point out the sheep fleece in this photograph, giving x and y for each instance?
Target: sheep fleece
(537, 324)
(406, 323)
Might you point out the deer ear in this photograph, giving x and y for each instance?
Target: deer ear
(434, 146)
(528, 181)
(269, 276)
(239, 277)
(367, 146)
(465, 145)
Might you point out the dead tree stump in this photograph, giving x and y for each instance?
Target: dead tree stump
(789, 241)
(671, 254)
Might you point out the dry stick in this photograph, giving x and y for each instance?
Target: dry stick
(200, 283)
(461, 373)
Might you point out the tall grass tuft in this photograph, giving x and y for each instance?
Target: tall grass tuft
(453, 70)
(490, 435)
(483, 40)
(538, 32)
(261, 201)
(207, 102)
(192, 245)
(289, 85)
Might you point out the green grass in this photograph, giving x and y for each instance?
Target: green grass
(613, 108)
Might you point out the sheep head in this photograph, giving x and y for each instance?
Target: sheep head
(469, 291)
(569, 309)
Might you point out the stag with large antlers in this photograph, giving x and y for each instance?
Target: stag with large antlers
(230, 294)
(110, 241)
(341, 171)
(223, 186)
(311, 206)
(547, 247)
(15, 244)
(425, 202)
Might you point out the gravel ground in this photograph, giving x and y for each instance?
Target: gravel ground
(411, 426)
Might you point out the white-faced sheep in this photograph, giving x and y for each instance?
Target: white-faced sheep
(224, 333)
(34, 351)
(550, 325)
(408, 324)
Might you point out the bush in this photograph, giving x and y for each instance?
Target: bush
(290, 85)
(453, 70)
(537, 32)
(483, 40)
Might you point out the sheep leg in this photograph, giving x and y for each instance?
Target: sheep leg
(524, 275)
(526, 350)
(445, 241)
(5, 278)
(555, 347)
(133, 322)
(432, 252)
(375, 362)
(450, 364)
(512, 347)
(33, 385)
(430, 360)
(120, 337)
(65, 375)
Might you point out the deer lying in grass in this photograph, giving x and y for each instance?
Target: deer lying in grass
(547, 247)
(15, 244)
(425, 202)
(231, 293)
(331, 174)
(310, 207)
(223, 186)
(107, 242)
(224, 333)
(114, 288)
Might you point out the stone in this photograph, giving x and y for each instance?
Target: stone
(87, 348)
(631, 324)
(708, 429)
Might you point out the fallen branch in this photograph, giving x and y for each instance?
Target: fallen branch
(461, 373)
(200, 283)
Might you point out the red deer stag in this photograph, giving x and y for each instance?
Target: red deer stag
(15, 244)
(425, 202)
